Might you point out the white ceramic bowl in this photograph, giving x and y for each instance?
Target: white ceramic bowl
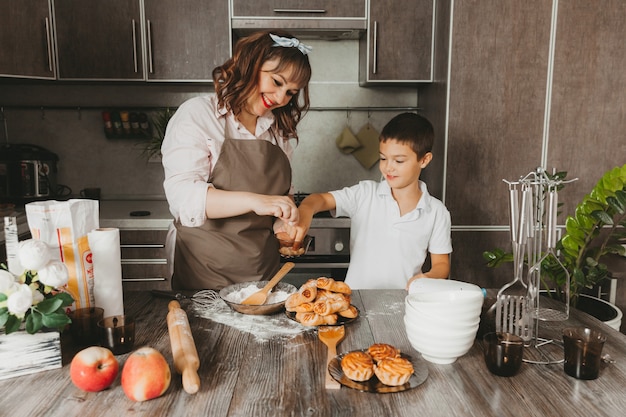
(444, 311)
(440, 327)
(440, 336)
(441, 349)
(444, 320)
(447, 302)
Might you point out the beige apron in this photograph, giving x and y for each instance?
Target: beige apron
(222, 252)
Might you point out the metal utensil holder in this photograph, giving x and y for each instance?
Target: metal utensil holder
(542, 232)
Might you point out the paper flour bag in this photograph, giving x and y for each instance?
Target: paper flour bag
(64, 225)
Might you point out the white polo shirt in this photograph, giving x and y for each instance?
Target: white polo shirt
(385, 248)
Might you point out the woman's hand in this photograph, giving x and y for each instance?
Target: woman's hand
(281, 207)
(221, 204)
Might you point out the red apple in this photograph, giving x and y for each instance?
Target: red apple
(94, 369)
(146, 374)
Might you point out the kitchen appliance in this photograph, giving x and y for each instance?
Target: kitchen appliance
(27, 173)
(329, 251)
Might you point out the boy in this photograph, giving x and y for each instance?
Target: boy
(395, 223)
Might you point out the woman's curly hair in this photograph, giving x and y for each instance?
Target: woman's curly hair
(236, 80)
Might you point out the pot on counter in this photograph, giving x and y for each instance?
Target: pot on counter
(27, 173)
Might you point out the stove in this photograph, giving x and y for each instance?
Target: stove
(329, 251)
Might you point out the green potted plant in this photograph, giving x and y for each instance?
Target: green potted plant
(152, 147)
(597, 229)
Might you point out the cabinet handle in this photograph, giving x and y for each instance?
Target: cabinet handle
(154, 279)
(299, 11)
(143, 261)
(142, 245)
(150, 68)
(134, 44)
(375, 54)
(48, 44)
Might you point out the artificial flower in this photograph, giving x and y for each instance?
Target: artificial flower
(7, 281)
(20, 301)
(54, 274)
(35, 299)
(33, 254)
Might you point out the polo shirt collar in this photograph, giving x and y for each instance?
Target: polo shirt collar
(384, 190)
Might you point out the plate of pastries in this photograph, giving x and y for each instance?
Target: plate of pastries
(381, 368)
(322, 302)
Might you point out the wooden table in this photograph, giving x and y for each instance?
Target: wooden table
(243, 375)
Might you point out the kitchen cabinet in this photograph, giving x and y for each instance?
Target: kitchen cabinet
(185, 39)
(390, 55)
(26, 39)
(98, 40)
(313, 9)
(144, 261)
(168, 40)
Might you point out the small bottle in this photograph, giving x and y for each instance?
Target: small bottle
(117, 123)
(134, 123)
(108, 126)
(143, 122)
(125, 122)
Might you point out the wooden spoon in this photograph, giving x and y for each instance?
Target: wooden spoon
(331, 336)
(259, 297)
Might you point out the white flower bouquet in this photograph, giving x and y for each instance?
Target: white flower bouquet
(36, 298)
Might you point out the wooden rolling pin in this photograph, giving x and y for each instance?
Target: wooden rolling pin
(184, 351)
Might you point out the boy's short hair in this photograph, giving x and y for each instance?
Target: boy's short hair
(410, 129)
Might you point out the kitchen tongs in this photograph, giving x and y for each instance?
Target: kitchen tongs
(511, 308)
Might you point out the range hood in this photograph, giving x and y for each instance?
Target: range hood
(327, 29)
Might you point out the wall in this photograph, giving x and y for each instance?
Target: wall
(48, 114)
(521, 85)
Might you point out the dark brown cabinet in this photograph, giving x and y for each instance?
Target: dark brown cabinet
(185, 39)
(168, 40)
(314, 9)
(98, 40)
(26, 39)
(144, 261)
(398, 47)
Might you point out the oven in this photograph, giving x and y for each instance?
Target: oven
(328, 254)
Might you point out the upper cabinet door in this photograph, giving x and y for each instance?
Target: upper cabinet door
(314, 9)
(99, 39)
(26, 42)
(185, 39)
(399, 45)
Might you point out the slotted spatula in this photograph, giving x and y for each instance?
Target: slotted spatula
(331, 336)
(511, 314)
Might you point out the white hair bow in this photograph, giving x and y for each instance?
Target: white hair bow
(291, 43)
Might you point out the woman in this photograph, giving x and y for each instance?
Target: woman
(227, 165)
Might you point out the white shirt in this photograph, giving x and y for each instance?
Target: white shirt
(387, 249)
(191, 148)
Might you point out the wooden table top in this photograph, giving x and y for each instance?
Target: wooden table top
(253, 372)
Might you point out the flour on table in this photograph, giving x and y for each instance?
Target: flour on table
(276, 296)
(262, 327)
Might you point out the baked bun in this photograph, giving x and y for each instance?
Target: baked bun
(393, 371)
(358, 366)
(379, 351)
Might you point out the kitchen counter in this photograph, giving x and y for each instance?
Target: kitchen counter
(117, 213)
(256, 370)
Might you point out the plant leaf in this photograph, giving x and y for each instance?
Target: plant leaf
(55, 320)
(66, 299)
(34, 322)
(49, 305)
(12, 324)
(4, 316)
